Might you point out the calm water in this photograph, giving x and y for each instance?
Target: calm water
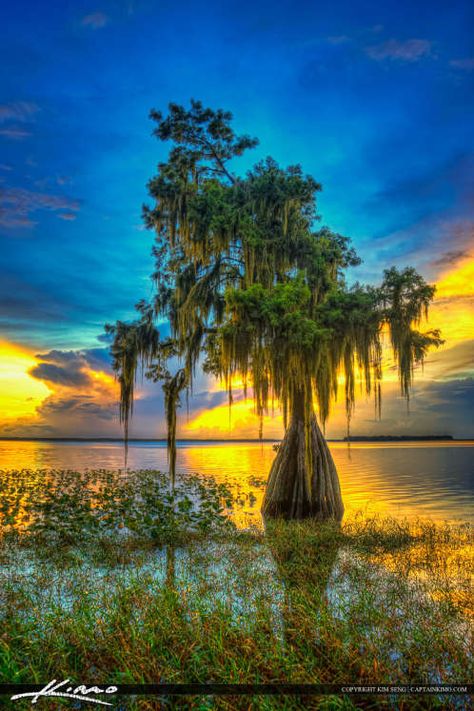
(426, 479)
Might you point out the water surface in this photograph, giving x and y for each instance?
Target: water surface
(428, 479)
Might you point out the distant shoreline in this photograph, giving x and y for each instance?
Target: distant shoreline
(133, 439)
(354, 439)
(400, 438)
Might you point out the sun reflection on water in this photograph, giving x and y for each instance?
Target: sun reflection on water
(429, 479)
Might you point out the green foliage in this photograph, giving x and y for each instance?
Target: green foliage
(249, 286)
(65, 507)
(133, 344)
(406, 298)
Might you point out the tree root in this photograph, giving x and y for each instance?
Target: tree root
(303, 481)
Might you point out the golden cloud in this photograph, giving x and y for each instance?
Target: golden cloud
(55, 391)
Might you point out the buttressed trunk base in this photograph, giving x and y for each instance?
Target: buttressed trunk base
(303, 480)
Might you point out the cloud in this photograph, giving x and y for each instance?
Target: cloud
(61, 376)
(466, 64)
(95, 21)
(26, 427)
(445, 186)
(17, 204)
(78, 406)
(57, 356)
(91, 361)
(426, 218)
(18, 111)
(12, 221)
(411, 50)
(99, 359)
(14, 132)
(450, 257)
(447, 406)
(420, 244)
(105, 338)
(26, 306)
(75, 394)
(66, 368)
(338, 39)
(456, 362)
(68, 216)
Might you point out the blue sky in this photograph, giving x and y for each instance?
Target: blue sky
(375, 100)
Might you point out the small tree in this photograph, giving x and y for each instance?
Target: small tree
(251, 288)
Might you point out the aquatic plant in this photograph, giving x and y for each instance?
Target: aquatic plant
(370, 601)
(66, 507)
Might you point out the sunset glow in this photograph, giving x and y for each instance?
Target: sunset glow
(20, 394)
(452, 311)
(335, 92)
(457, 282)
(236, 353)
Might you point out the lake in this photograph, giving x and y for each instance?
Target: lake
(427, 479)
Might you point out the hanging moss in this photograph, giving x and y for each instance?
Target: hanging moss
(251, 288)
(172, 388)
(135, 346)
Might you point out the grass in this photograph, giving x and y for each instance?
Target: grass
(109, 578)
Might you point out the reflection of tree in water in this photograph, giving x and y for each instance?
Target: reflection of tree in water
(170, 578)
(317, 612)
(306, 559)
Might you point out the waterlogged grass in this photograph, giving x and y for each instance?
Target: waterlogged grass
(107, 577)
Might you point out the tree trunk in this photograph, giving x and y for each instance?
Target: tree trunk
(303, 480)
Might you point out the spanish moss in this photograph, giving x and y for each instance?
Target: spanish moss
(251, 289)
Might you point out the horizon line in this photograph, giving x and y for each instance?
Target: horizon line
(352, 438)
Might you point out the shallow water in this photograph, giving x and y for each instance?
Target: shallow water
(428, 479)
(248, 585)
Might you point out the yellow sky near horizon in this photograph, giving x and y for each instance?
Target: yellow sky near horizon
(20, 393)
(452, 312)
(453, 308)
(23, 397)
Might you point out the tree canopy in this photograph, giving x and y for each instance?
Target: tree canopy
(252, 286)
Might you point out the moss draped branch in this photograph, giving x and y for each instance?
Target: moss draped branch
(250, 286)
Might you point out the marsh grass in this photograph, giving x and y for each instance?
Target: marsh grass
(109, 578)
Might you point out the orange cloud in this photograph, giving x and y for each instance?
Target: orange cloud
(60, 393)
